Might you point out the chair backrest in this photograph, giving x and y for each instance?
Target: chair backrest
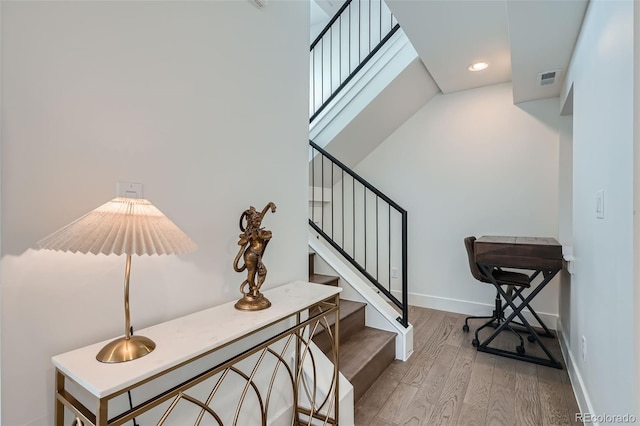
(473, 266)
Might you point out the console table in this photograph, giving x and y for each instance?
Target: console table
(252, 353)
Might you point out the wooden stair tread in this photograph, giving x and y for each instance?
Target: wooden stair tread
(324, 279)
(347, 308)
(361, 348)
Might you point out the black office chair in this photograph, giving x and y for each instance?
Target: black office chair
(504, 278)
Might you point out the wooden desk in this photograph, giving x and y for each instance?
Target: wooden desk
(537, 255)
(519, 252)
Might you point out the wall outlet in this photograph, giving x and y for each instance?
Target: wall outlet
(394, 272)
(584, 348)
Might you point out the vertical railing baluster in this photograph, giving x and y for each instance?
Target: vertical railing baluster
(380, 21)
(342, 181)
(359, 30)
(332, 203)
(313, 81)
(377, 251)
(331, 60)
(350, 34)
(389, 242)
(340, 50)
(353, 189)
(364, 215)
(313, 185)
(322, 70)
(405, 282)
(369, 25)
(322, 192)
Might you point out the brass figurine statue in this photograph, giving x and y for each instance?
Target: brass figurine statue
(253, 242)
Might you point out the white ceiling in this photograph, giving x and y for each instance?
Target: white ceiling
(517, 38)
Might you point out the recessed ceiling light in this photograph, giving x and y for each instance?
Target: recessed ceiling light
(478, 66)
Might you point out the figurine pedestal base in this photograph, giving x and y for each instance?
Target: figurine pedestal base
(250, 302)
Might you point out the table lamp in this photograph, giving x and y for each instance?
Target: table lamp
(122, 226)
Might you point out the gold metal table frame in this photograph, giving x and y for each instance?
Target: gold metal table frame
(285, 351)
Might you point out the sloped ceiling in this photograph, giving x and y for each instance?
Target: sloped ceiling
(517, 38)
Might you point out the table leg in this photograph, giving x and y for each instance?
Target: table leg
(336, 366)
(517, 312)
(59, 406)
(547, 332)
(101, 418)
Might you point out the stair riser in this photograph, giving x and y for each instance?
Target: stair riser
(324, 279)
(349, 325)
(370, 372)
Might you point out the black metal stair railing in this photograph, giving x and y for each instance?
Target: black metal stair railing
(364, 225)
(351, 38)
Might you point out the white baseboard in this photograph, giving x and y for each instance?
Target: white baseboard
(579, 389)
(473, 308)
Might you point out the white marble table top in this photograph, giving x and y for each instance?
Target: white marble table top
(184, 338)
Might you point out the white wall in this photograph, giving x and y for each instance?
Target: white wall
(205, 103)
(565, 215)
(470, 163)
(636, 203)
(601, 304)
(565, 180)
(319, 19)
(1, 127)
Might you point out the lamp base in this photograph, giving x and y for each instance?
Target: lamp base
(123, 349)
(252, 303)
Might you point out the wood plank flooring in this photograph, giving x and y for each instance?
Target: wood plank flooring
(447, 382)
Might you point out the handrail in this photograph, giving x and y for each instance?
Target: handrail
(356, 176)
(355, 228)
(342, 60)
(330, 23)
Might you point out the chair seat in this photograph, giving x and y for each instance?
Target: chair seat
(511, 278)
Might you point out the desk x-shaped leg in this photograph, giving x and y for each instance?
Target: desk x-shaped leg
(518, 293)
(517, 312)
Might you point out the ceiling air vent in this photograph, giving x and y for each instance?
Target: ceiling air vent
(547, 78)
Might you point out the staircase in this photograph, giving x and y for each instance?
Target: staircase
(365, 352)
(364, 230)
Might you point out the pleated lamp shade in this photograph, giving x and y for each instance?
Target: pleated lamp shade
(121, 226)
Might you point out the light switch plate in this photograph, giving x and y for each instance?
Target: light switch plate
(129, 190)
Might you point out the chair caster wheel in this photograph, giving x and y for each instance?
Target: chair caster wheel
(475, 343)
(531, 338)
(520, 350)
(465, 328)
